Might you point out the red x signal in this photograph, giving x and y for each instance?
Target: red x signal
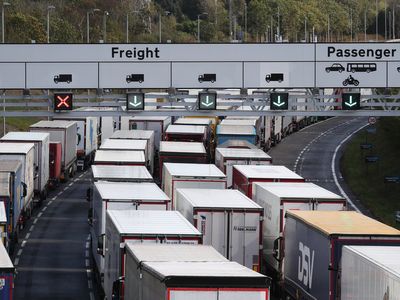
(63, 101)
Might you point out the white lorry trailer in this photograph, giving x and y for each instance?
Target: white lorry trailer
(121, 173)
(168, 227)
(228, 220)
(41, 142)
(206, 176)
(66, 133)
(87, 138)
(147, 135)
(278, 197)
(158, 124)
(225, 158)
(25, 153)
(122, 196)
(187, 273)
(117, 157)
(370, 272)
(129, 145)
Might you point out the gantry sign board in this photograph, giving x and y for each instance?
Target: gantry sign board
(136, 66)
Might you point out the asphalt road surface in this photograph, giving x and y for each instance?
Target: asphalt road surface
(52, 257)
(314, 153)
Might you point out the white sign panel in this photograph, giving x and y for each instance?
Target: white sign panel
(61, 75)
(135, 75)
(12, 75)
(135, 66)
(358, 52)
(351, 74)
(199, 75)
(393, 71)
(278, 74)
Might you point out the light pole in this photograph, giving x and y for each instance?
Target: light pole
(198, 25)
(92, 11)
(106, 13)
(376, 20)
(245, 21)
(2, 19)
(50, 7)
(127, 24)
(160, 23)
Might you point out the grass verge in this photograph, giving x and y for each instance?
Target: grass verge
(366, 180)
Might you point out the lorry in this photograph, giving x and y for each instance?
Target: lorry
(88, 137)
(25, 153)
(144, 263)
(377, 269)
(314, 241)
(122, 226)
(244, 176)
(3, 220)
(236, 132)
(120, 173)
(229, 221)
(123, 196)
(55, 156)
(7, 273)
(277, 198)
(226, 158)
(66, 133)
(186, 175)
(117, 157)
(158, 124)
(181, 152)
(256, 122)
(106, 124)
(41, 142)
(147, 135)
(129, 145)
(12, 193)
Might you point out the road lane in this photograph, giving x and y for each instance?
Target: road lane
(310, 151)
(50, 260)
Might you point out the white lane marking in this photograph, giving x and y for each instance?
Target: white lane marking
(50, 202)
(59, 193)
(87, 245)
(43, 209)
(70, 184)
(91, 295)
(19, 252)
(64, 189)
(16, 261)
(307, 147)
(334, 171)
(35, 221)
(27, 235)
(87, 253)
(31, 228)
(90, 286)
(39, 214)
(23, 243)
(87, 263)
(54, 198)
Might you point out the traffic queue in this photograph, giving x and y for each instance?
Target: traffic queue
(189, 208)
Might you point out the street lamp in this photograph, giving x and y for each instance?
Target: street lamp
(167, 13)
(2, 19)
(106, 13)
(50, 7)
(127, 24)
(198, 25)
(92, 11)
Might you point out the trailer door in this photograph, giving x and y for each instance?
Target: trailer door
(244, 239)
(214, 227)
(192, 294)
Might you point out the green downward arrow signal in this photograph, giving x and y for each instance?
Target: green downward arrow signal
(279, 103)
(350, 103)
(135, 102)
(207, 103)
